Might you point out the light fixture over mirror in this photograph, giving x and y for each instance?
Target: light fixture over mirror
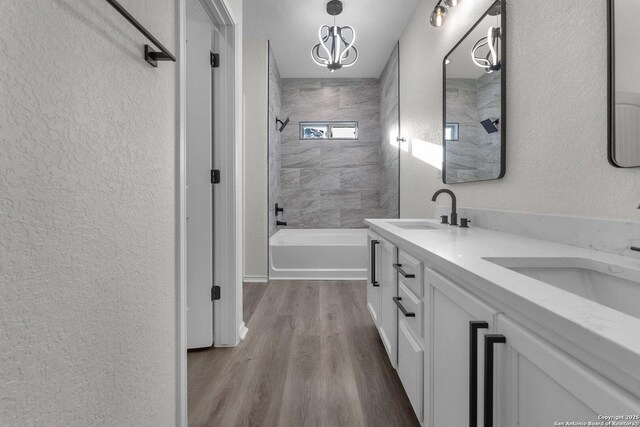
(439, 13)
(335, 49)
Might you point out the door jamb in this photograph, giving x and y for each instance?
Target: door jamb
(228, 325)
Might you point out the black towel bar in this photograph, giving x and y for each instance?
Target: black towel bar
(150, 55)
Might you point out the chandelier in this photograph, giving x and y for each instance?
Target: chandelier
(336, 49)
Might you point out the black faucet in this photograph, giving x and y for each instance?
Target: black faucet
(454, 214)
(281, 223)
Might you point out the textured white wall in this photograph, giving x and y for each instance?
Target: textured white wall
(255, 63)
(556, 114)
(87, 215)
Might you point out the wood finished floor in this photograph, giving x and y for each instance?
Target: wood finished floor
(312, 357)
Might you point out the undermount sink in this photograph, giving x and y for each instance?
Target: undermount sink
(416, 225)
(607, 284)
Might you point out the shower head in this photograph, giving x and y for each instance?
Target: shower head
(282, 124)
(490, 125)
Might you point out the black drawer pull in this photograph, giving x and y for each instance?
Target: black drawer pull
(402, 309)
(473, 369)
(374, 282)
(489, 341)
(399, 269)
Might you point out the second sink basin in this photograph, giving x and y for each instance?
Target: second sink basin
(607, 284)
(416, 225)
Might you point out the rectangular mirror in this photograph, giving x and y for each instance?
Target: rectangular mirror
(624, 83)
(474, 102)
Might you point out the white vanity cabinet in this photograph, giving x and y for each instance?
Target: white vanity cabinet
(537, 384)
(464, 363)
(457, 323)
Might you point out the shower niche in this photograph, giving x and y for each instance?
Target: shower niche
(474, 102)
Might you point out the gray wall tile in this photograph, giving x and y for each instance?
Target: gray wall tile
(336, 184)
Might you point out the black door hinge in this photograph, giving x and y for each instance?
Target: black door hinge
(215, 60)
(215, 293)
(215, 176)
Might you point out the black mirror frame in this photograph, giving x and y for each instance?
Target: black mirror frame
(611, 87)
(503, 95)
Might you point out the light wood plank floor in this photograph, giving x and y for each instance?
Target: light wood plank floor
(312, 357)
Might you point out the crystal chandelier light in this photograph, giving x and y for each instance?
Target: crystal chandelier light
(336, 49)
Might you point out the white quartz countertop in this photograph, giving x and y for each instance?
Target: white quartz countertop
(612, 335)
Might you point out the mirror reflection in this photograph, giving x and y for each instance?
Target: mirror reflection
(474, 103)
(624, 145)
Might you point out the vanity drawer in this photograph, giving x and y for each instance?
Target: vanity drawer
(410, 272)
(414, 308)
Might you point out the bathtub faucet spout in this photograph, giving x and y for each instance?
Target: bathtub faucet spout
(281, 223)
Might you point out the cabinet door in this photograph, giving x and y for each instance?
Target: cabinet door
(538, 384)
(452, 395)
(388, 325)
(410, 365)
(373, 285)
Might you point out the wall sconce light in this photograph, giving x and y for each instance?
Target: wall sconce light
(439, 13)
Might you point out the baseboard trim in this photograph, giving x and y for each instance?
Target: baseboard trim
(243, 331)
(255, 279)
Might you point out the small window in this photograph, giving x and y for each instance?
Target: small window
(451, 132)
(328, 130)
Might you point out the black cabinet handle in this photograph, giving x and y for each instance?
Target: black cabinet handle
(473, 369)
(489, 341)
(374, 282)
(399, 269)
(402, 309)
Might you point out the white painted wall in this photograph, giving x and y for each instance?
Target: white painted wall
(87, 216)
(556, 114)
(255, 63)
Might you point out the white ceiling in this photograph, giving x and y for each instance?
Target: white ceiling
(292, 27)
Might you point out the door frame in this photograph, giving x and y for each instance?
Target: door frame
(228, 327)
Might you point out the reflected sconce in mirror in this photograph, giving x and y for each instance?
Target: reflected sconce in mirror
(490, 62)
(439, 13)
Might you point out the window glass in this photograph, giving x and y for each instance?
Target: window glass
(328, 130)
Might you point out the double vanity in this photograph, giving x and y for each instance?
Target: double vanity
(487, 328)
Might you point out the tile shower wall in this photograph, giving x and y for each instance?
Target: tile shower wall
(477, 154)
(274, 143)
(389, 151)
(338, 183)
(462, 155)
(489, 103)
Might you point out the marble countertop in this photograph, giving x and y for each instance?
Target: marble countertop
(608, 334)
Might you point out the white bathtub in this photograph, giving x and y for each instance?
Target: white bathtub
(307, 254)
